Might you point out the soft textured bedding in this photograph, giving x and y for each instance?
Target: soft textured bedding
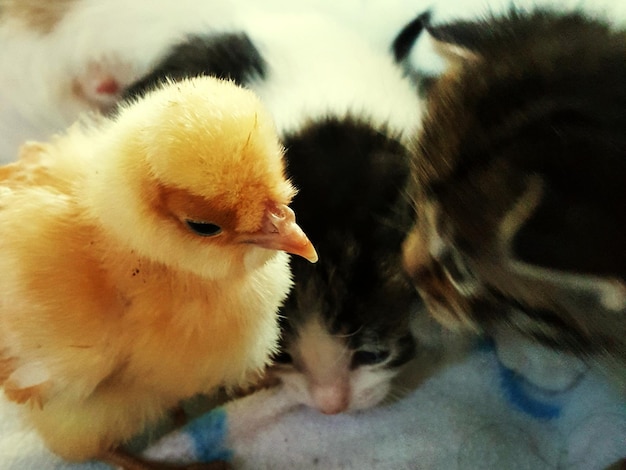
(473, 414)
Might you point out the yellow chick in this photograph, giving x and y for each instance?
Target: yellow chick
(142, 261)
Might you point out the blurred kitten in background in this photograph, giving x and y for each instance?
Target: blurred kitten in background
(518, 187)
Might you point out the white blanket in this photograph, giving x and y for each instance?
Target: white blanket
(471, 415)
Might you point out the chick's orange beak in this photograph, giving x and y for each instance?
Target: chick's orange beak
(279, 231)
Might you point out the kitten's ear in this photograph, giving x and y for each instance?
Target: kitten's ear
(427, 51)
(405, 41)
(542, 241)
(452, 44)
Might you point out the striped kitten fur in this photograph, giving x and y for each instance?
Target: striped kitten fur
(519, 184)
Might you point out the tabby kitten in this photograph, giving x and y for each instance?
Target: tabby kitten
(519, 184)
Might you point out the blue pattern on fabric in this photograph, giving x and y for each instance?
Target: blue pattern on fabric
(208, 433)
(518, 392)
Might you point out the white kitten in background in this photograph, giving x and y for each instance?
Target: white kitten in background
(60, 58)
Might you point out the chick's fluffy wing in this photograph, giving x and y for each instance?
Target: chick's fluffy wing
(39, 225)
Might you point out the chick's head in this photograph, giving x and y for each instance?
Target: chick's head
(193, 174)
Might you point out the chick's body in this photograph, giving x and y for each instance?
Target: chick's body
(139, 263)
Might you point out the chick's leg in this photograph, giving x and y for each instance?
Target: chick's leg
(125, 461)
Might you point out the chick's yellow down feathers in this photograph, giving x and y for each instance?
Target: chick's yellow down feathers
(142, 261)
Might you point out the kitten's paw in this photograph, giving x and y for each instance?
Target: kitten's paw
(546, 368)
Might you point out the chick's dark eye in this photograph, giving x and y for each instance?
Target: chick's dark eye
(282, 358)
(204, 229)
(368, 358)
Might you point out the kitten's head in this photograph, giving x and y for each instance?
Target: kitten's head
(344, 338)
(519, 181)
(346, 323)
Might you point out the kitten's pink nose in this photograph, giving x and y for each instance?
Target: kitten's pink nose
(331, 399)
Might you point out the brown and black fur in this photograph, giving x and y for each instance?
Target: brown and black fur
(350, 178)
(519, 183)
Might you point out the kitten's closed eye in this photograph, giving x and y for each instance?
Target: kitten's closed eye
(368, 358)
(359, 358)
